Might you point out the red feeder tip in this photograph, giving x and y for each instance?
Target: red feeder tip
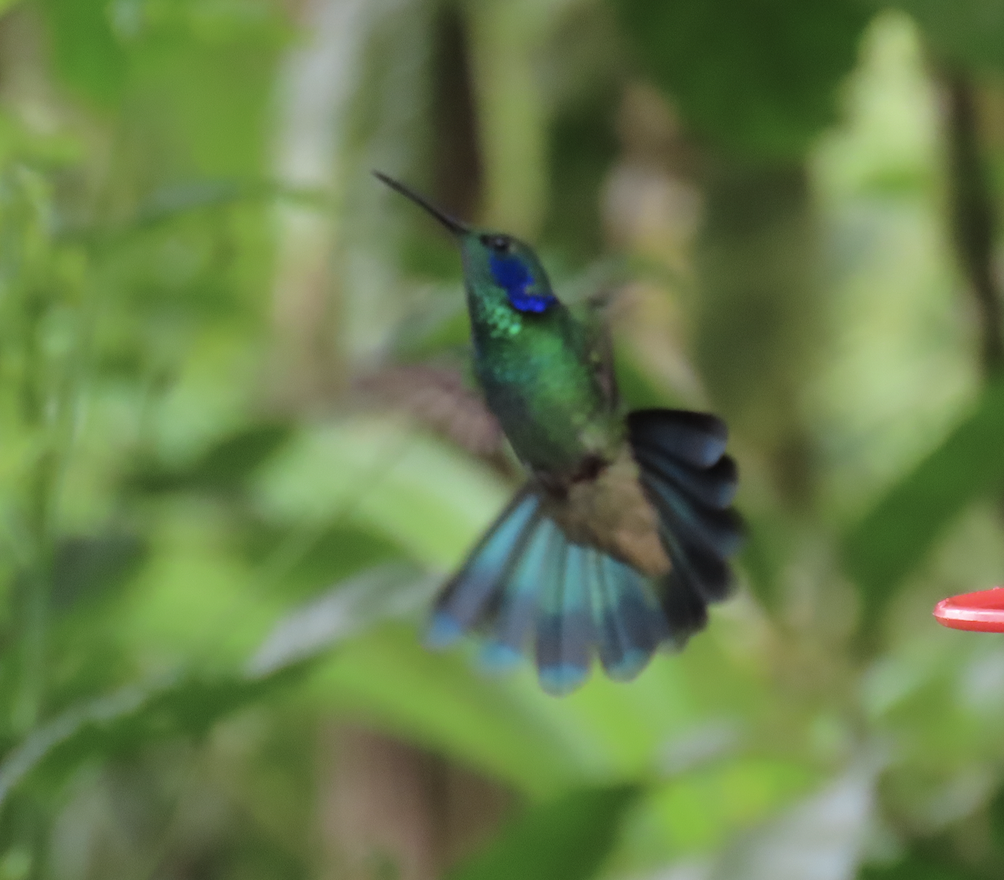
(982, 611)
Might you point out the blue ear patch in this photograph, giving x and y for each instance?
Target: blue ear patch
(514, 277)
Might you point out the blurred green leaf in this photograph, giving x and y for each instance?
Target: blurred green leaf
(339, 613)
(503, 725)
(759, 78)
(190, 702)
(212, 118)
(885, 546)
(221, 468)
(314, 558)
(395, 479)
(121, 722)
(85, 49)
(566, 839)
(968, 32)
(180, 199)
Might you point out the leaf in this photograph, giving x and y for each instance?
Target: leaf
(759, 78)
(122, 721)
(916, 867)
(314, 558)
(190, 702)
(86, 52)
(223, 467)
(395, 480)
(566, 839)
(885, 546)
(211, 82)
(339, 613)
(969, 32)
(502, 726)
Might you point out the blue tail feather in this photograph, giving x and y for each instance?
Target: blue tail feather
(468, 597)
(526, 582)
(624, 619)
(520, 594)
(564, 626)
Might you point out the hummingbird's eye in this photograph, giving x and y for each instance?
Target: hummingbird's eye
(498, 243)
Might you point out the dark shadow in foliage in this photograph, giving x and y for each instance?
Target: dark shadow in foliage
(456, 147)
(582, 139)
(566, 839)
(971, 34)
(937, 858)
(760, 78)
(885, 546)
(763, 557)
(87, 568)
(917, 867)
(223, 468)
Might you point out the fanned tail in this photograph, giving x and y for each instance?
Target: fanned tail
(526, 583)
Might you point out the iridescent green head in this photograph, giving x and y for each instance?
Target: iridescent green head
(492, 258)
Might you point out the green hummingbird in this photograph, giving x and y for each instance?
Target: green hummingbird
(621, 535)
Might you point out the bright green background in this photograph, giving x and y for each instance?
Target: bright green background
(216, 547)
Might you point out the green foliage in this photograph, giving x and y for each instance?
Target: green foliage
(217, 547)
(564, 840)
(757, 78)
(893, 538)
(225, 466)
(87, 54)
(916, 869)
(969, 34)
(123, 722)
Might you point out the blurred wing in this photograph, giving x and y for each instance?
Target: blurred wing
(439, 398)
(597, 342)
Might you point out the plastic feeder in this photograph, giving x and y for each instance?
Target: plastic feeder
(982, 611)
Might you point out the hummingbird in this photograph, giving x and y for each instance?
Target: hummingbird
(620, 536)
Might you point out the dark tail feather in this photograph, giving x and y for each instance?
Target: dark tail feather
(691, 483)
(629, 622)
(695, 439)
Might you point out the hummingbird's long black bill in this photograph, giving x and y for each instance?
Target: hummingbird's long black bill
(455, 226)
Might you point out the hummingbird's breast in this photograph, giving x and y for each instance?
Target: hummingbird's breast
(543, 390)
